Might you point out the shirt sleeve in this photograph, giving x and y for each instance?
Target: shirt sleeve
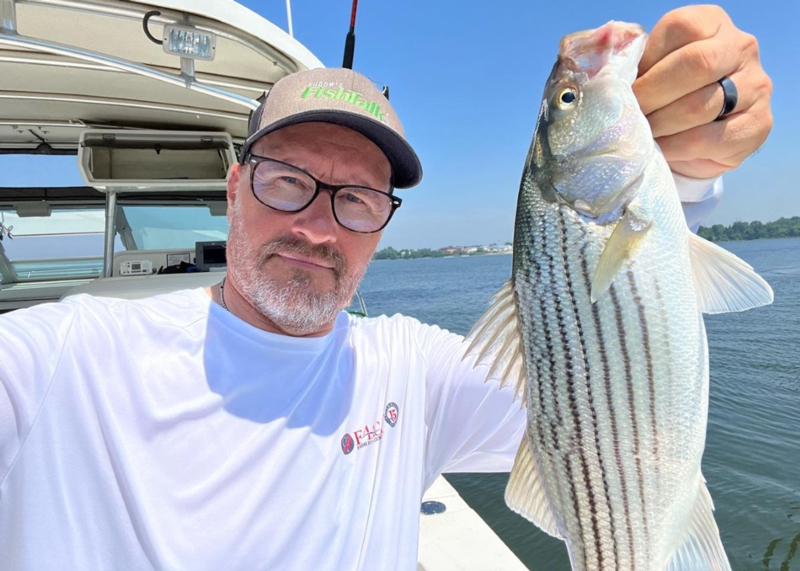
(31, 344)
(698, 197)
(473, 424)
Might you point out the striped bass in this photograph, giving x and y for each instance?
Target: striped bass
(600, 327)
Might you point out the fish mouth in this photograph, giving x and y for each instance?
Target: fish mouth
(590, 50)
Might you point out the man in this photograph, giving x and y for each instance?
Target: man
(257, 426)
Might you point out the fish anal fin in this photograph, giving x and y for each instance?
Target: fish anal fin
(620, 247)
(497, 340)
(702, 547)
(524, 493)
(722, 281)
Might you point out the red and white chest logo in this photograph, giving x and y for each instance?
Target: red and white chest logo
(371, 433)
(391, 414)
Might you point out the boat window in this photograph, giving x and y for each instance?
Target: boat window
(40, 170)
(175, 226)
(66, 244)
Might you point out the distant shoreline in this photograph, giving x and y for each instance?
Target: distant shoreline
(701, 231)
(443, 257)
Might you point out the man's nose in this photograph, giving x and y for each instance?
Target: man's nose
(316, 223)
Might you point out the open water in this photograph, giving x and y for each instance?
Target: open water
(752, 456)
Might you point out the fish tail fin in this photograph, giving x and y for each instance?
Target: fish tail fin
(722, 281)
(702, 548)
(524, 493)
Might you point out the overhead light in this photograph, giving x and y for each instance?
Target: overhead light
(188, 42)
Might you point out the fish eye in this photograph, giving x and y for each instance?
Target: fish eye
(567, 98)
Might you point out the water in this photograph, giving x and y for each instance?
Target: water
(752, 458)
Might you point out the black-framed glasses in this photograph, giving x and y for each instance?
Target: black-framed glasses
(287, 188)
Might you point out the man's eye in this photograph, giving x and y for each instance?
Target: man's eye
(290, 180)
(353, 198)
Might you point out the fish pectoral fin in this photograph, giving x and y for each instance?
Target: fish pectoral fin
(524, 493)
(702, 547)
(621, 246)
(497, 340)
(722, 281)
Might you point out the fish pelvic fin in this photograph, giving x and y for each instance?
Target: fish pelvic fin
(702, 547)
(497, 340)
(524, 493)
(620, 247)
(723, 282)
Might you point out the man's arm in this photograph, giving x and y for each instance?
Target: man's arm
(31, 345)
(472, 424)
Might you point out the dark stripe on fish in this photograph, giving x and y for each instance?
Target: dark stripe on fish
(612, 414)
(559, 421)
(631, 401)
(590, 398)
(650, 375)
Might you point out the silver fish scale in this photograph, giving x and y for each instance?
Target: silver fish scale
(617, 390)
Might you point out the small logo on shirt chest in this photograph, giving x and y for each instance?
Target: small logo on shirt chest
(371, 433)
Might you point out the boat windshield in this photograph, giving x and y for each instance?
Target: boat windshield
(174, 226)
(65, 244)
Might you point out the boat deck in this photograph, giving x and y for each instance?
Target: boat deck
(458, 539)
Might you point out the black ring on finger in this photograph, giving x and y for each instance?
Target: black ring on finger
(730, 97)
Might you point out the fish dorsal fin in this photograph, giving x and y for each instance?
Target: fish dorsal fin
(702, 547)
(724, 282)
(524, 493)
(496, 339)
(620, 247)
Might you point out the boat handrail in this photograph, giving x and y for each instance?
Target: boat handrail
(15, 40)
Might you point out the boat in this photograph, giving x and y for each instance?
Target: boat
(126, 88)
(149, 102)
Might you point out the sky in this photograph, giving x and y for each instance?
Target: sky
(466, 79)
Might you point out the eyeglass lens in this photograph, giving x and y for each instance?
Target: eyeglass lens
(288, 189)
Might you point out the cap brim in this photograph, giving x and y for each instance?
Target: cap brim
(406, 168)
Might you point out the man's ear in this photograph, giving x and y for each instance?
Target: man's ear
(234, 176)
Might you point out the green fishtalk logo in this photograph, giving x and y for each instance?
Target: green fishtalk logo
(352, 97)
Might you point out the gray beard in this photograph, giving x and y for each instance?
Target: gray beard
(294, 306)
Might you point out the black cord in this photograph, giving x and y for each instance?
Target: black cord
(147, 33)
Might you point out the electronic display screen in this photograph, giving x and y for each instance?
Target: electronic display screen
(210, 254)
(214, 255)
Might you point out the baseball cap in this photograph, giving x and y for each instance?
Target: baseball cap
(342, 97)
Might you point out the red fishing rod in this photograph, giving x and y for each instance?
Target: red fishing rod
(350, 41)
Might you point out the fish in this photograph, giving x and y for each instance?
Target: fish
(600, 327)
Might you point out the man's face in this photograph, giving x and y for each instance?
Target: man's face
(300, 269)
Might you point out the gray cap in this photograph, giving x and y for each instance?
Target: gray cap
(342, 97)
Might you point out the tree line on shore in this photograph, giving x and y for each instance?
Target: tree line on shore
(756, 230)
(781, 228)
(407, 254)
(392, 254)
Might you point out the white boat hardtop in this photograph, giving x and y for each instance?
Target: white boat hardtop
(69, 64)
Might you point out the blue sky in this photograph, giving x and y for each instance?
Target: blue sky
(466, 78)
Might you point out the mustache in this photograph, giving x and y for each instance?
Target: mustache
(292, 245)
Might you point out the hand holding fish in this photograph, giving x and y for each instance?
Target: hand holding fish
(690, 49)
